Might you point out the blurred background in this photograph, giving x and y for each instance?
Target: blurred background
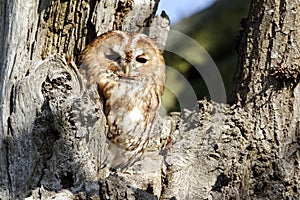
(215, 25)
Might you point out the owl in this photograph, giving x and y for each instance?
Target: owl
(130, 74)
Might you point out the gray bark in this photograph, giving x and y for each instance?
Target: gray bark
(52, 129)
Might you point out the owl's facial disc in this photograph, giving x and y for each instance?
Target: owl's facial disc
(125, 62)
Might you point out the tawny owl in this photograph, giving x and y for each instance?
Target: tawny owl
(129, 70)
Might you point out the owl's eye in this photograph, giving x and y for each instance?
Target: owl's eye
(113, 56)
(141, 59)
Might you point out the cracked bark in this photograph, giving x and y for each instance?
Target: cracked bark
(53, 144)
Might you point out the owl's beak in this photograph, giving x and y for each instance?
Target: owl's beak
(126, 69)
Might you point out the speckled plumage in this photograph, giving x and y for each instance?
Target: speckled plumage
(130, 73)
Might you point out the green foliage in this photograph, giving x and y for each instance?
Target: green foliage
(215, 29)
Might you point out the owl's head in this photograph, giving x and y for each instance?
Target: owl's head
(127, 55)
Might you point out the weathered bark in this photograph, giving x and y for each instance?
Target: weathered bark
(267, 85)
(251, 149)
(52, 129)
(53, 142)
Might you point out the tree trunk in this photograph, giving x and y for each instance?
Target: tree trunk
(53, 142)
(52, 129)
(267, 87)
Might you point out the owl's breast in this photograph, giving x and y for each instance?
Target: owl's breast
(125, 104)
(129, 110)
